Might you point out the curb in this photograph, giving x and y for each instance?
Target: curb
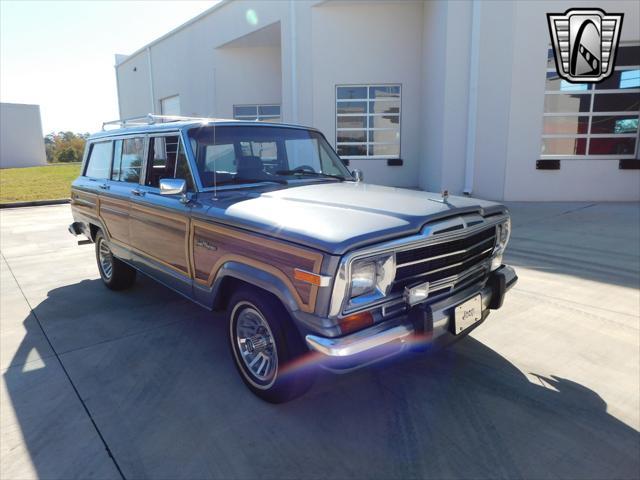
(35, 203)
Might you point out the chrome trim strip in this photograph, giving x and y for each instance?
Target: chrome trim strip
(437, 257)
(359, 342)
(457, 264)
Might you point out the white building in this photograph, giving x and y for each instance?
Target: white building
(21, 139)
(438, 95)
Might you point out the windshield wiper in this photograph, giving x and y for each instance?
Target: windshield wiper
(236, 181)
(310, 174)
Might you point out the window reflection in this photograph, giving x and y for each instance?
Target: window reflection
(368, 120)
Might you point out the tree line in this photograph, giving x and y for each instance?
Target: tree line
(64, 147)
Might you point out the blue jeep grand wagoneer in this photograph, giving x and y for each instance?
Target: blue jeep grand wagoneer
(312, 265)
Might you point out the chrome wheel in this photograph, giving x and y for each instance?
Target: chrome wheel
(106, 260)
(255, 345)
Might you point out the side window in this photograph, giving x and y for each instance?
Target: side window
(131, 159)
(99, 162)
(167, 159)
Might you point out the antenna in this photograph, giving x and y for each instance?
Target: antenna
(215, 167)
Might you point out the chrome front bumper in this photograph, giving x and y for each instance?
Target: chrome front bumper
(394, 335)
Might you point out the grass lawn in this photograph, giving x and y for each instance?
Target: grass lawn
(50, 182)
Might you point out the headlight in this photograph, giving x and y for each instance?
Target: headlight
(363, 277)
(503, 233)
(372, 276)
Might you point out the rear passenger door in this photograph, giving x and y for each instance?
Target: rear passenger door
(128, 159)
(86, 188)
(159, 224)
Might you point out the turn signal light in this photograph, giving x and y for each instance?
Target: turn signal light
(312, 278)
(356, 322)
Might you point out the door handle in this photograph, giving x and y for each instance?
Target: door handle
(104, 186)
(138, 193)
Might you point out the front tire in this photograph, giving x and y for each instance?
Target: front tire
(264, 344)
(115, 274)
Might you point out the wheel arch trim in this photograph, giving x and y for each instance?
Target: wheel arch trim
(257, 277)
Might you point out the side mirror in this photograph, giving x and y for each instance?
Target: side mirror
(358, 175)
(173, 186)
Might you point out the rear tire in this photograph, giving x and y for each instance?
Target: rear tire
(115, 274)
(264, 346)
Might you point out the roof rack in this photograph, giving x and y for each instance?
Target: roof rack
(150, 119)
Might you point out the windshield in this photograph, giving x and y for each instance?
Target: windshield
(249, 154)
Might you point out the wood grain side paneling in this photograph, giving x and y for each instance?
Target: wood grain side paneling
(161, 235)
(84, 202)
(115, 216)
(213, 245)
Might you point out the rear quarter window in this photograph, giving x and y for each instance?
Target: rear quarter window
(99, 161)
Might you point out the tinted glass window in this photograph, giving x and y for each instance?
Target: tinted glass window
(167, 160)
(568, 124)
(611, 124)
(616, 102)
(612, 146)
(368, 120)
(352, 136)
(250, 154)
(590, 121)
(621, 79)
(567, 103)
(564, 146)
(182, 168)
(628, 55)
(99, 163)
(219, 158)
(268, 113)
(132, 156)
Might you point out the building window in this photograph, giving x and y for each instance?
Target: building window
(261, 113)
(586, 121)
(170, 105)
(368, 121)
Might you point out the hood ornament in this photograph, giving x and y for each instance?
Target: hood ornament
(444, 199)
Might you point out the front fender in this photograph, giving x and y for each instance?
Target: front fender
(253, 276)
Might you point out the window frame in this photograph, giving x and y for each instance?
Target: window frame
(591, 92)
(367, 115)
(257, 117)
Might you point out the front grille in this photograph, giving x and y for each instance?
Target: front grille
(445, 264)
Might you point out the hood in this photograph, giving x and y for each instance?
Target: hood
(337, 217)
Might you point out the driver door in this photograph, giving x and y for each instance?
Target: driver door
(159, 224)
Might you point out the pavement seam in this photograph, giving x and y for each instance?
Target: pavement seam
(554, 215)
(73, 386)
(122, 337)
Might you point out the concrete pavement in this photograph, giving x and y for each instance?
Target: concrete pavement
(139, 384)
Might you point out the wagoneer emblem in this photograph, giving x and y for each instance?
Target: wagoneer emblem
(585, 43)
(200, 242)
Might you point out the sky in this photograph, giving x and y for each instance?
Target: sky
(60, 55)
